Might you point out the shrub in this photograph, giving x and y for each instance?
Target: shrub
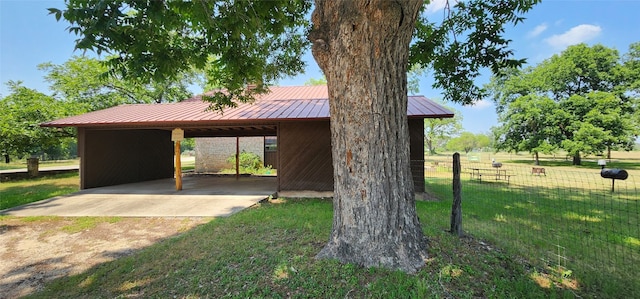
(249, 162)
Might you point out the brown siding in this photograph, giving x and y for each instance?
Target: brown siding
(305, 156)
(81, 150)
(271, 159)
(416, 137)
(112, 157)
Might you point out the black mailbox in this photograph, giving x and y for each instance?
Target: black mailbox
(614, 173)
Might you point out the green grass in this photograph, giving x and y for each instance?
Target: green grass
(542, 236)
(586, 234)
(18, 164)
(16, 193)
(268, 252)
(188, 163)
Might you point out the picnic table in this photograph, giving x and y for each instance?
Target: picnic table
(496, 173)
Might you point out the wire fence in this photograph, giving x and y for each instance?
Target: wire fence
(564, 219)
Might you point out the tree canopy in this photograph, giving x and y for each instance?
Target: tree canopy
(79, 85)
(22, 112)
(468, 142)
(364, 49)
(583, 100)
(86, 82)
(244, 41)
(258, 42)
(316, 81)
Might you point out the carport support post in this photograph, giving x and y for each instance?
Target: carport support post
(237, 158)
(177, 135)
(178, 167)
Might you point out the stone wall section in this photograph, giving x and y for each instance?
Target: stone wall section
(212, 153)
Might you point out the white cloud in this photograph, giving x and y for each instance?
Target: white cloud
(438, 5)
(538, 30)
(578, 34)
(482, 104)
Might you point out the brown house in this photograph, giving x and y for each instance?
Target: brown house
(132, 143)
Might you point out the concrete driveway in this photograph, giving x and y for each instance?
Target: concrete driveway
(206, 196)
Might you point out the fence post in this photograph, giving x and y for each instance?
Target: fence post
(456, 207)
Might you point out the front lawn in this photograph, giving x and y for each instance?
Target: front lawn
(268, 251)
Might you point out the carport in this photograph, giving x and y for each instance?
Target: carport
(132, 143)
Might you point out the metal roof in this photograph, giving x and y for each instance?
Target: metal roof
(281, 103)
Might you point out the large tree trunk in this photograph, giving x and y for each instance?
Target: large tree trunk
(362, 48)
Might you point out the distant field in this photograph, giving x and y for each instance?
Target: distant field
(559, 157)
(523, 162)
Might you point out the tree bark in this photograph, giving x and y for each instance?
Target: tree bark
(577, 160)
(537, 161)
(362, 47)
(429, 141)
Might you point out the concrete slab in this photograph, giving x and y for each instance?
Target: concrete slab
(202, 196)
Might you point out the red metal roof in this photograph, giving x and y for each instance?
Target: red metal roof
(281, 103)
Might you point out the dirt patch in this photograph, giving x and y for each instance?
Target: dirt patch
(34, 251)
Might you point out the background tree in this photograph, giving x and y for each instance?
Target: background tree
(598, 121)
(483, 141)
(86, 81)
(413, 78)
(468, 142)
(22, 112)
(631, 71)
(582, 101)
(188, 144)
(363, 49)
(316, 81)
(438, 131)
(526, 126)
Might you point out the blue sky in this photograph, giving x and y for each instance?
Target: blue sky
(29, 36)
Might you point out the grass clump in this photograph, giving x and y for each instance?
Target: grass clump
(84, 223)
(269, 251)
